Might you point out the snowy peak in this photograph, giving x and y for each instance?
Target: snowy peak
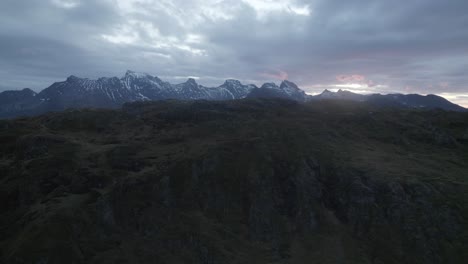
(287, 90)
(129, 73)
(269, 86)
(136, 75)
(73, 78)
(112, 92)
(288, 85)
(191, 82)
(140, 77)
(232, 89)
(232, 82)
(326, 92)
(293, 91)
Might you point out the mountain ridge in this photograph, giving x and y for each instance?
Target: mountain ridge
(113, 92)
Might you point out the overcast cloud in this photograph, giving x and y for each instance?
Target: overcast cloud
(413, 46)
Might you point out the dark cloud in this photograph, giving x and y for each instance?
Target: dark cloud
(413, 46)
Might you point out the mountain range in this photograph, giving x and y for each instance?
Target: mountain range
(113, 92)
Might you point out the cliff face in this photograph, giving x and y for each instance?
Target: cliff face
(255, 181)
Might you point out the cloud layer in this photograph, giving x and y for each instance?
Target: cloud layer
(418, 46)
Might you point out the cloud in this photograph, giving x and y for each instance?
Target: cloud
(350, 78)
(276, 75)
(379, 44)
(265, 8)
(67, 4)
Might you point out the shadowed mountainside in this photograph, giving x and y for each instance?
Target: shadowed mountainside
(245, 181)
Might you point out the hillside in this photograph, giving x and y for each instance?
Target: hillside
(243, 181)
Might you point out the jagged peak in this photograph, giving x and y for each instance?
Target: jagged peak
(287, 83)
(340, 91)
(326, 91)
(135, 74)
(292, 89)
(73, 78)
(191, 81)
(269, 85)
(232, 82)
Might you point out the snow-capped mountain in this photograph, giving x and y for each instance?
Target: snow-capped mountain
(287, 89)
(234, 89)
(79, 92)
(293, 91)
(147, 87)
(113, 92)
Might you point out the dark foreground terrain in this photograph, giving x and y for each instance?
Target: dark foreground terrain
(249, 181)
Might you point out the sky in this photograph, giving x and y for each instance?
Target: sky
(367, 46)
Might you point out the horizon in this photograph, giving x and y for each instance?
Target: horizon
(332, 89)
(364, 47)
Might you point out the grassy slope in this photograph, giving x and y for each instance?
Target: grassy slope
(171, 182)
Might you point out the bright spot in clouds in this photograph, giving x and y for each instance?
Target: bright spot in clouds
(303, 11)
(67, 4)
(350, 78)
(263, 7)
(351, 85)
(123, 35)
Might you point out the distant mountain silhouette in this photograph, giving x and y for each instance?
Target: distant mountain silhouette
(393, 100)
